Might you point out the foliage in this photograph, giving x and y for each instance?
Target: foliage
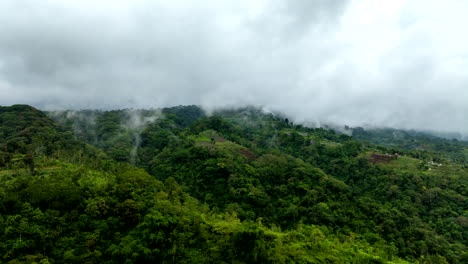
(241, 186)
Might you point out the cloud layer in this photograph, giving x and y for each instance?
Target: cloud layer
(363, 62)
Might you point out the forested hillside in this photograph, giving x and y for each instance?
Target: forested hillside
(453, 149)
(174, 185)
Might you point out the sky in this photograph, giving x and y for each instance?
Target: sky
(378, 63)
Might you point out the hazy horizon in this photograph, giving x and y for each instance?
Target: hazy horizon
(389, 63)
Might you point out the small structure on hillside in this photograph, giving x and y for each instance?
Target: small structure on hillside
(432, 163)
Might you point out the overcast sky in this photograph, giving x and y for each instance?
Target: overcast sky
(363, 62)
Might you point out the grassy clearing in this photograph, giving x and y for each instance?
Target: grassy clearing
(228, 145)
(200, 139)
(332, 144)
(404, 162)
(452, 171)
(205, 136)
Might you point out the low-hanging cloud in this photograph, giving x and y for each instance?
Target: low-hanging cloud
(380, 63)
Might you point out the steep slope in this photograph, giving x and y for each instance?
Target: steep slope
(26, 130)
(23, 128)
(59, 212)
(261, 167)
(314, 176)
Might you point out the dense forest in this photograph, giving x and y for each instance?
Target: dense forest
(175, 185)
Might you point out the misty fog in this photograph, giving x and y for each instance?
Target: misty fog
(393, 63)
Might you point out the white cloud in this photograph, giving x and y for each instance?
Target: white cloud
(385, 63)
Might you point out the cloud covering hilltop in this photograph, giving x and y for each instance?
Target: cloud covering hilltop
(381, 63)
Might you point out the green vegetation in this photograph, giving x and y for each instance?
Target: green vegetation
(175, 186)
(427, 144)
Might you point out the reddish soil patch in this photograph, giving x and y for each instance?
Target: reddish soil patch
(220, 139)
(382, 158)
(204, 143)
(248, 154)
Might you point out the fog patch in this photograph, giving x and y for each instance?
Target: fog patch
(136, 122)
